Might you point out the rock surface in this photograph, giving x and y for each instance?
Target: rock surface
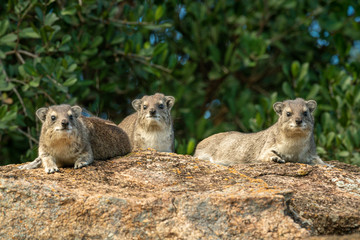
(150, 195)
(325, 200)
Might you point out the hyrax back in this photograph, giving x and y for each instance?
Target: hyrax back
(290, 139)
(68, 139)
(151, 126)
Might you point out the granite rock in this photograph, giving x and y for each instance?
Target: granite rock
(151, 195)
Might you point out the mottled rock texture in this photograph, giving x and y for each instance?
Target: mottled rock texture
(149, 195)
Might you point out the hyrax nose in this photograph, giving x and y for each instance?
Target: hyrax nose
(152, 111)
(298, 121)
(64, 123)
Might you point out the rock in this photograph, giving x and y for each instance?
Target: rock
(150, 195)
(325, 200)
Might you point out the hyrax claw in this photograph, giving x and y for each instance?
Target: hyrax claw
(277, 160)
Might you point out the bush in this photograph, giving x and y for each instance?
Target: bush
(226, 63)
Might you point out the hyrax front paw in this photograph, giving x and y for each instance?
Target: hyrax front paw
(277, 159)
(80, 164)
(51, 169)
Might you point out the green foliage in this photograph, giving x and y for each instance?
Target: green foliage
(226, 63)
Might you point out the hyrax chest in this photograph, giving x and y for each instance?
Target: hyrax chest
(293, 149)
(65, 148)
(158, 140)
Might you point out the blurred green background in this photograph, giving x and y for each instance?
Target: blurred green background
(225, 62)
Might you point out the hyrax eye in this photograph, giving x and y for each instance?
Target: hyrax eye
(144, 107)
(305, 114)
(288, 114)
(53, 118)
(71, 117)
(161, 106)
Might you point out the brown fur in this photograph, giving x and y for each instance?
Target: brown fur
(151, 126)
(69, 139)
(290, 139)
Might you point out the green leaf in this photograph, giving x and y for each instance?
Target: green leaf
(159, 12)
(344, 154)
(295, 68)
(90, 52)
(41, 69)
(50, 18)
(214, 53)
(66, 38)
(313, 92)
(159, 48)
(25, 87)
(96, 41)
(22, 71)
(10, 115)
(28, 33)
(304, 71)
(3, 110)
(287, 90)
(214, 74)
(172, 61)
(190, 146)
(157, 27)
(69, 82)
(29, 68)
(285, 69)
(290, 4)
(333, 24)
(8, 38)
(5, 86)
(68, 11)
(35, 83)
(4, 24)
(229, 53)
(43, 34)
(118, 39)
(330, 138)
(2, 55)
(39, 14)
(72, 67)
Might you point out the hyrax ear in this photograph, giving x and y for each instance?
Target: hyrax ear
(278, 107)
(76, 110)
(170, 100)
(136, 104)
(41, 113)
(311, 104)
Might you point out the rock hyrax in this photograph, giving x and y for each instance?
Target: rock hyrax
(69, 139)
(151, 126)
(290, 139)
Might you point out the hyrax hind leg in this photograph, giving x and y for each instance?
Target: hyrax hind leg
(31, 165)
(84, 159)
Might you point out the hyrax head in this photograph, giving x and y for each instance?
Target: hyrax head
(295, 116)
(154, 110)
(59, 119)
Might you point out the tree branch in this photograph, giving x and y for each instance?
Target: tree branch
(20, 99)
(28, 135)
(49, 97)
(126, 23)
(144, 60)
(19, 57)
